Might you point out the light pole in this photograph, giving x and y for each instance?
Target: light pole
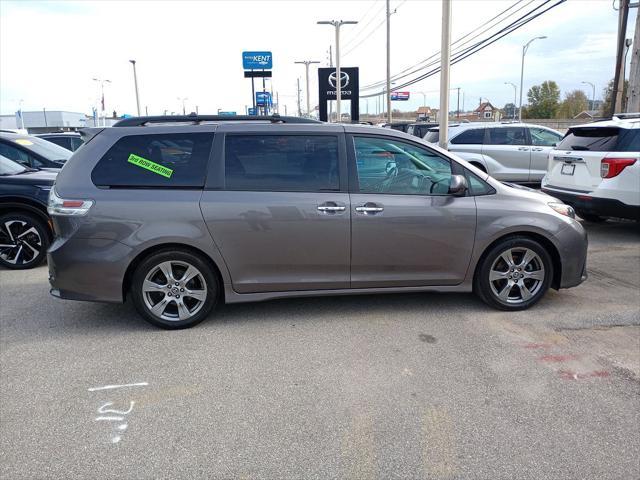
(593, 96)
(306, 64)
(21, 114)
(445, 66)
(102, 81)
(135, 83)
(337, 24)
(524, 52)
(515, 94)
(183, 99)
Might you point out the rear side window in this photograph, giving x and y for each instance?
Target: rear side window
(282, 163)
(64, 142)
(474, 136)
(543, 138)
(506, 136)
(175, 160)
(598, 139)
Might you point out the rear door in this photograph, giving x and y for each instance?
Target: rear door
(277, 207)
(508, 147)
(542, 141)
(575, 163)
(468, 141)
(406, 229)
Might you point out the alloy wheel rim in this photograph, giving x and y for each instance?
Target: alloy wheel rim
(516, 275)
(174, 291)
(20, 242)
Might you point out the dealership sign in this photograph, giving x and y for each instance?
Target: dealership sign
(257, 60)
(402, 96)
(348, 83)
(263, 99)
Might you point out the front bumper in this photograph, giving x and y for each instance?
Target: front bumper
(605, 207)
(88, 269)
(573, 244)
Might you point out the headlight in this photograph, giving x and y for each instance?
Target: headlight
(563, 209)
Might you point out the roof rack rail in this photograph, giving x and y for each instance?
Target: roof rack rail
(197, 119)
(622, 115)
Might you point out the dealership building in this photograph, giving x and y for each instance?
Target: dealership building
(45, 121)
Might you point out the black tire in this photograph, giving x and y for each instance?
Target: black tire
(151, 268)
(590, 217)
(540, 265)
(27, 234)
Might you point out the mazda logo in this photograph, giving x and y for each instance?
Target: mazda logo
(344, 79)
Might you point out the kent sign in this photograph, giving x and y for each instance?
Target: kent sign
(257, 60)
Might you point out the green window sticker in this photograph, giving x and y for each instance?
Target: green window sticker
(149, 165)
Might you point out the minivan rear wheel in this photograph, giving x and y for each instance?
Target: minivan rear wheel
(514, 274)
(174, 289)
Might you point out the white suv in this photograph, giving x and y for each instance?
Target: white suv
(596, 169)
(514, 152)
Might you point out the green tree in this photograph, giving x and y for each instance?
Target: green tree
(543, 100)
(605, 109)
(510, 110)
(574, 103)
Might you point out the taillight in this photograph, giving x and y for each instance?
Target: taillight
(611, 167)
(60, 206)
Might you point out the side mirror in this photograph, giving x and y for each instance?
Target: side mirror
(458, 185)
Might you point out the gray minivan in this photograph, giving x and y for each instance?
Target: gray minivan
(182, 213)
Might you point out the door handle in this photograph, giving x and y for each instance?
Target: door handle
(537, 149)
(331, 208)
(523, 149)
(369, 209)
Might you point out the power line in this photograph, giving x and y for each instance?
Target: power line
(477, 47)
(435, 57)
(372, 31)
(364, 25)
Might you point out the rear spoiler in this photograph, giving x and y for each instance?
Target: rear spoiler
(88, 133)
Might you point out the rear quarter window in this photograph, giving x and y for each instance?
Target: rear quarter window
(474, 136)
(176, 160)
(597, 139)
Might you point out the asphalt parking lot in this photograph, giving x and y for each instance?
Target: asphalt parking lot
(399, 386)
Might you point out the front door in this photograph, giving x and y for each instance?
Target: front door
(406, 229)
(281, 219)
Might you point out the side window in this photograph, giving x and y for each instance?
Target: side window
(477, 186)
(394, 167)
(170, 160)
(18, 155)
(543, 138)
(473, 136)
(76, 142)
(64, 142)
(506, 136)
(282, 163)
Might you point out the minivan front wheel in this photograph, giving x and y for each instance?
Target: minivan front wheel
(174, 289)
(514, 274)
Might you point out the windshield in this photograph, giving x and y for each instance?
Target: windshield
(598, 139)
(432, 136)
(48, 150)
(9, 167)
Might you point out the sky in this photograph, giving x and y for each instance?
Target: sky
(50, 52)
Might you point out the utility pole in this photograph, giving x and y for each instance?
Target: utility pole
(337, 24)
(618, 80)
(445, 65)
(306, 64)
(183, 99)
(458, 106)
(388, 62)
(135, 83)
(633, 92)
(525, 47)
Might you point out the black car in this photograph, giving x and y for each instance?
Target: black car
(419, 129)
(33, 152)
(69, 140)
(400, 126)
(25, 233)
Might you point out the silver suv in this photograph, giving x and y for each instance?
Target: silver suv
(182, 213)
(515, 152)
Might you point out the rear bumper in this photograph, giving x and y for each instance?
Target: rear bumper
(88, 269)
(605, 207)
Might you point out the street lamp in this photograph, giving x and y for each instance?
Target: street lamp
(337, 24)
(524, 52)
(183, 99)
(102, 81)
(593, 97)
(515, 94)
(306, 64)
(135, 83)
